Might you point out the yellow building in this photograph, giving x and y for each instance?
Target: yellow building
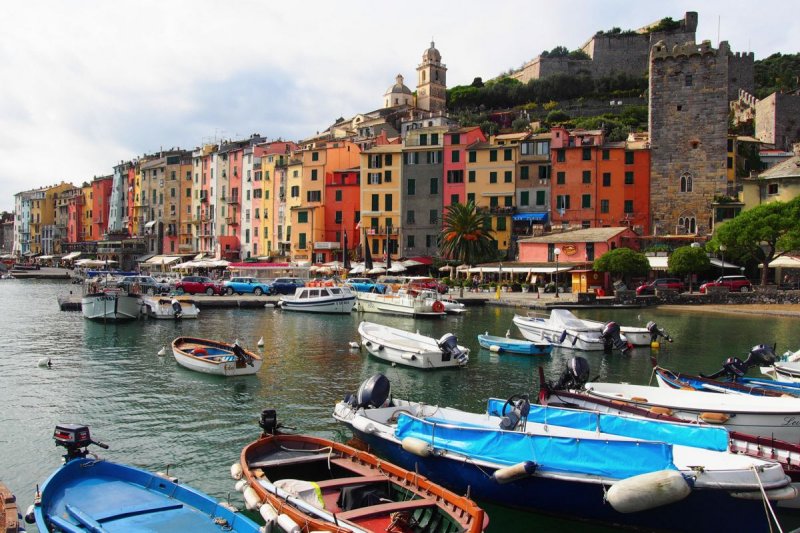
(297, 249)
(86, 225)
(43, 214)
(780, 182)
(381, 186)
(490, 184)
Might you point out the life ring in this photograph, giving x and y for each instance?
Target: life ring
(438, 307)
(199, 352)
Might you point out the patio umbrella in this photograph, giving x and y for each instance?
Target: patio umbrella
(411, 263)
(396, 268)
(358, 269)
(313, 268)
(376, 270)
(367, 254)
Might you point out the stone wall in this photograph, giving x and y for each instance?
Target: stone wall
(778, 120)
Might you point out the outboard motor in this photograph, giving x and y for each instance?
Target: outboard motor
(520, 408)
(73, 437)
(574, 376)
(241, 355)
(733, 367)
(656, 332)
(177, 309)
(268, 421)
(373, 392)
(449, 346)
(612, 338)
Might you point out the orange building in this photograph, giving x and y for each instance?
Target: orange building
(599, 184)
(101, 204)
(342, 213)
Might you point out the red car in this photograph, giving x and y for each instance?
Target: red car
(419, 283)
(660, 284)
(733, 283)
(199, 285)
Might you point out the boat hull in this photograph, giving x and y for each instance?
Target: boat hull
(343, 306)
(404, 348)
(161, 308)
(391, 304)
(538, 329)
(502, 344)
(110, 307)
(219, 361)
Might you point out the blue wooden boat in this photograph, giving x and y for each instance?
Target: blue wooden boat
(507, 344)
(90, 494)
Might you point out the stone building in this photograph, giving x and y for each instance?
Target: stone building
(432, 81)
(778, 120)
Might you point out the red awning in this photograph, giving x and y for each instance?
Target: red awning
(425, 260)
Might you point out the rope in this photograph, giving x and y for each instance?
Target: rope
(767, 506)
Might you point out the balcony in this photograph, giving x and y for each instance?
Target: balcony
(381, 230)
(498, 210)
(232, 221)
(232, 200)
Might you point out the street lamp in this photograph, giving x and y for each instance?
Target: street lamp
(722, 249)
(557, 252)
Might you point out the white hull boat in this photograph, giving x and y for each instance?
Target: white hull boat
(213, 357)
(319, 299)
(166, 308)
(401, 303)
(110, 306)
(412, 349)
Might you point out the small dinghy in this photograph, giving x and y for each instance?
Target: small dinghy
(91, 494)
(509, 345)
(214, 357)
(412, 349)
(298, 481)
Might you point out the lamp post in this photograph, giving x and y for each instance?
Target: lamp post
(557, 252)
(722, 249)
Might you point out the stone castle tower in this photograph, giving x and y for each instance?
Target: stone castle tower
(432, 81)
(690, 87)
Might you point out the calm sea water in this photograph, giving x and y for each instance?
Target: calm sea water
(157, 415)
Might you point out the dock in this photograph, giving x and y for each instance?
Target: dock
(9, 514)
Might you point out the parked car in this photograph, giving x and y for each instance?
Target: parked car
(248, 286)
(286, 285)
(143, 285)
(660, 284)
(733, 284)
(365, 285)
(199, 285)
(421, 282)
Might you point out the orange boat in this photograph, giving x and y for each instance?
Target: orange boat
(317, 484)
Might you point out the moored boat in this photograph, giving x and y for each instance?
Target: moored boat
(89, 494)
(403, 302)
(164, 308)
(319, 298)
(507, 344)
(322, 485)
(110, 305)
(412, 349)
(214, 357)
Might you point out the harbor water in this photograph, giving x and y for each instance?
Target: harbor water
(157, 415)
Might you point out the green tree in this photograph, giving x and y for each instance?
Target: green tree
(688, 260)
(623, 263)
(763, 233)
(465, 236)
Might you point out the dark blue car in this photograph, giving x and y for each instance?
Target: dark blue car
(286, 285)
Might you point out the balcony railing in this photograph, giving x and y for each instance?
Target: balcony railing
(381, 230)
(233, 200)
(232, 221)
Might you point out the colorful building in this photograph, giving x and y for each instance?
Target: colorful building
(381, 181)
(420, 200)
(455, 163)
(101, 200)
(342, 212)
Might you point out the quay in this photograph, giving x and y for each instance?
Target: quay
(9, 514)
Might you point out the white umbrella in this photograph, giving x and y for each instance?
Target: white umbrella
(334, 264)
(357, 269)
(447, 268)
(411, 263)
(313, 268)
(325, 271)
(397, 267)
(377, 270)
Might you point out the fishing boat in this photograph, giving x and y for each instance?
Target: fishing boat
(319, 298)
(90, 494)
(412, 349)
(403, 302)
(508, 345)
(790, 372)
(214, 357)
(175, 308)
(526, 459)
(107, 304)
(316, 484)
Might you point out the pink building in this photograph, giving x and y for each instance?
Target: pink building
(576, 247)
(455, 162)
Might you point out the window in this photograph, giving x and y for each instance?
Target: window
(544, 172)
(387, 160)
(338, 195)
(471, 198)
(430, 240)
(561, 178)
(455, 156)
(524, 198)
(730, 162)
(295, 192)
(434, 216)
(387, 202)
(455, 176)
(302, 217)
(629, 206)
(508, 154)
(410, 241)
(492, 177)
(374, 178)
(314, 196)
(629, 178)
(541, 198)
(376, 202)
(686, 182)
(586, 154)
(301, 240)
(604, 206)
(473, 156)
(628, 157)
(315, 156)
(494, 202)
(454, 199)
(501, 223)
(772, 188)
(508, 176)
(524, 172)
(606, 179)
(455, 138)
(688, 80)
(411, 187)
(434, 185)
(561, 155)
(423, 139)
(586, 201)
(587, 176)
(374, 161)
(471, 176)
(338, 217)
(606, 154)
(387, 176)
(434, 138)
(412, 158)
(433, 158)
(492, 155)
(313, 174)
(410, 217)
(508, 201)
(730, 145)
(562, 201)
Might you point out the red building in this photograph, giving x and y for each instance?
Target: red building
(101, 205)
(599, 184)
(342, 210)
(455, 162)
(75, 216)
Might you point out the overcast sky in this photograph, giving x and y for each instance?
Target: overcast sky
(86, 84)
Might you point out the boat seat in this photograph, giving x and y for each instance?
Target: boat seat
(308, 458)
(338, 482)
(386, 508)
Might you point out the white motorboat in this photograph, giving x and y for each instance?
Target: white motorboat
(412, 349)
(214, 357)
(319, 299)
(110, 305)
(785, 369)
(169, 308)
(403, 302)
(451, 306)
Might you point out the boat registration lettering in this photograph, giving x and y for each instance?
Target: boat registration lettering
(791, 421)
(106, 298)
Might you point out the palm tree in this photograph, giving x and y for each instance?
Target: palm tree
(465, 235)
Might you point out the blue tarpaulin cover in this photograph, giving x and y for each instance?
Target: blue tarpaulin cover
(534, 217)
(709, 438)
(612, 459)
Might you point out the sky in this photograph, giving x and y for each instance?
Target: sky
(85, 84)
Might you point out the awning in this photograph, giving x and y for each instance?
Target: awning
(531, 217)
(163, 260)
(145, 257)
(45, 257)
(150, 224)
(519, 270)
(658, 262)
(786, 261)
(70, 256)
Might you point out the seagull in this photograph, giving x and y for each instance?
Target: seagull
(45, 362)
(261, 341)
(163, 350)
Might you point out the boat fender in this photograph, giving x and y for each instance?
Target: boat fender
(714, 418)
(364, 425)
(417, 446)
(514, 472)
(236, 471)
(269, 515)
(30, 515)
(287, 524)
(638, 399)
(251, 499)
(229, 506)
(240, 485)
(647, 491)
(494, 348)
(784, 493)
(408, 356)
(661, 411)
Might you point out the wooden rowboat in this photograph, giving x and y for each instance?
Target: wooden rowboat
(214, 357)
